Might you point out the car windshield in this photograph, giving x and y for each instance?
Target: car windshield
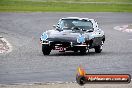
(75, 23)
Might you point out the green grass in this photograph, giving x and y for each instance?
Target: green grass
(60, 6)
(78, 0)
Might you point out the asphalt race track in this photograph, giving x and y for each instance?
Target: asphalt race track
(27, 64)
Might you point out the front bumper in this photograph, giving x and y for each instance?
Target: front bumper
(65, 46)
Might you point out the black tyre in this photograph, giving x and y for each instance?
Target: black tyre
(83, 51)
(81, 80)
(98, 49)
(75, 50)
(46, 49)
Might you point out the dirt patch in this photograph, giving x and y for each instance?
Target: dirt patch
(124, 28)
(68, 85)
(4, 45)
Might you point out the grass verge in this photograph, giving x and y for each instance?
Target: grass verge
(49, 6)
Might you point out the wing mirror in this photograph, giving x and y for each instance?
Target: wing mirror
(57, 28)
(54, 26)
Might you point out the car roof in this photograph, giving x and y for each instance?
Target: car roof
(77, 18)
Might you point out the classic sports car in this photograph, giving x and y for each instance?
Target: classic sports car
(73, 34)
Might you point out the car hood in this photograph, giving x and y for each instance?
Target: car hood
(66, 35)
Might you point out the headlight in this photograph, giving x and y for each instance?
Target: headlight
(81, 39)
(44, 36)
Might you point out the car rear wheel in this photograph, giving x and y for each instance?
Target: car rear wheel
(98, 48)
(46, 49)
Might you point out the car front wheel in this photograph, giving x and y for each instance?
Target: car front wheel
(83, 51)
(98, 48)
(46, 49)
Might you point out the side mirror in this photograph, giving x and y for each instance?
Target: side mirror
(57, 28)
(54, 26)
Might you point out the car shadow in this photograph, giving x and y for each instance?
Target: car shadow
(74, 54)
(91, 53)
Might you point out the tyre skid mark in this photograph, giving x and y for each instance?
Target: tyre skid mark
(124, 28)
